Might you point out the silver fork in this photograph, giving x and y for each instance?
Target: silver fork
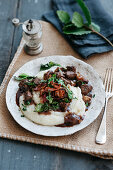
(101, 135)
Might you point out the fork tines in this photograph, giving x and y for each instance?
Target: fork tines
(108, 80)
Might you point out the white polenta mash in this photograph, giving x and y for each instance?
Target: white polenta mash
(77, 106)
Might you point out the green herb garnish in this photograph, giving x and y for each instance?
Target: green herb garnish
(22, 116)
(23, 76)
(93, 95)
(70, 93)
(49, 98)
(81, 82)
(24, 107)
(54, 106)
(42, 107)
(75, 98)
(52, 78)
(48, 65)
(87, 104)
(43, 81)
(30, 83)
(77, 26)
(66, 100)
(27, 102)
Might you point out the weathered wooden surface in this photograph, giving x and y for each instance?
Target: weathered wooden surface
(16, 155)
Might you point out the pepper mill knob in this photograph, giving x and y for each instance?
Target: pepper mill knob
(16, 21)
(29, 26)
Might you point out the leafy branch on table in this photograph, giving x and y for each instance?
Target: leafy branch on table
(76, 26)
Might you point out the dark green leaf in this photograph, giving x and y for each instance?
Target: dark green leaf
(22, 116)
(77, 20)
(67, 26)
(48, 65)
(78, 31)
(87, 104)
(85, 10)
(63, 16)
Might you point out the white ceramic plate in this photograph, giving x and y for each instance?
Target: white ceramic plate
(32, 68)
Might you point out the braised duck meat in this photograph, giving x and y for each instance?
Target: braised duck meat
(36, 80)
(79, 77)
(85, 89)
(70, 75)
(23, 86)
(71, 68)
(59, 73)
(48, 75)
(66, 81)
(28, 96)
(64, 106)
(87, 99)
(72, 119)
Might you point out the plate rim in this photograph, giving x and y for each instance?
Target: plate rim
(43, 58)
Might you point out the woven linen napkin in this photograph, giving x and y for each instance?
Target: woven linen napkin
(82, 141)
(85, 45)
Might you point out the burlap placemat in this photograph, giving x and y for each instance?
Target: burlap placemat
(82, 141)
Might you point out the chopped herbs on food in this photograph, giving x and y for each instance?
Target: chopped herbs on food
(87, 104)
(70, 93)
(66, 100)
(94, 96)
(24, 108)
(43, 81)
(30, 83)
(52, 78)
(75, 98)
(60, 81)
(80, 81)
(27, 102)
(49, 98)
(42, 107)
(48, 65)
(54, 106)
(23, 76)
